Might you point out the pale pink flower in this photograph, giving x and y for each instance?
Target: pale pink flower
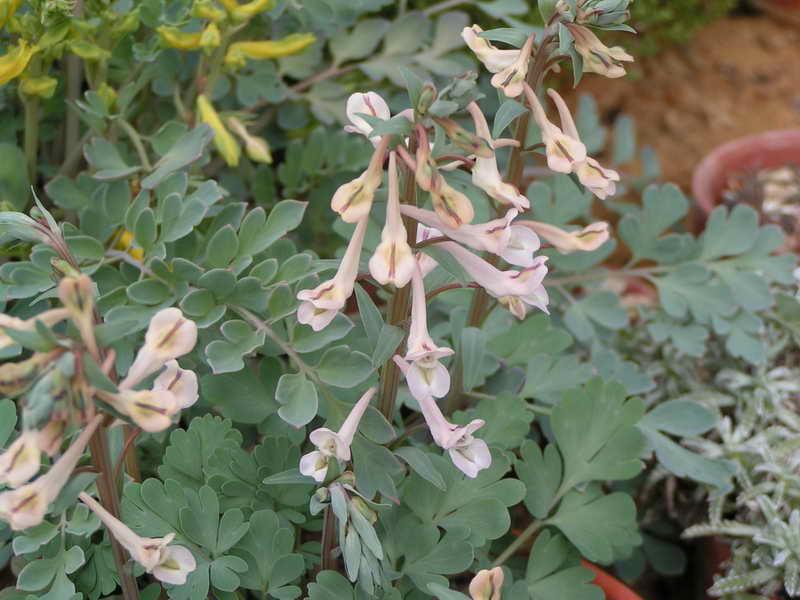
(151, 410)
(393, 260)
(369, 103)
(425, 262)
(487, 584)
(320, 305)
(26, 506)
(353, 200)
(168, 336)
(563, 151)
(181, 382)
(48, 318)
(22, 460)
(597, 57)
(485, 173)
(334, 444)
(587, 239)
(170, 564)
(522, 244)
(469, 454)
(494, 59)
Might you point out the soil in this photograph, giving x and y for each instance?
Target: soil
(739, 76)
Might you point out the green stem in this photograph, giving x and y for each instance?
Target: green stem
(517, 543)
(31, 108)
(136, 140)
(400, 302)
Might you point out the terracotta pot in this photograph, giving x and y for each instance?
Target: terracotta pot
(782, 9)
(612, 587)
(766, 150)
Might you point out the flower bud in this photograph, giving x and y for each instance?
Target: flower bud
(210, 38)
(172, 37)
(108, 95)
(42, 87)
(16, 377)
(362, 507)
(427, 96)
(256, 147)
(223, 140)
(77, 296)
(468, 142)
(487, 585)
(239, 52)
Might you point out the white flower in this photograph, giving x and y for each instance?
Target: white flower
(597, 57)
(522, 244)
(368, 103)
(353, 200)
(487, 584)
(170, 564)
(168, 336)
(563, 151)
(393, 261)
(587, 239)
(152, 410)
(22, 460)
(26, 506)
(320, 305)
(334, 444)
(493, 59)
(469, 454)
(181, 382)
(485, 173)
(512, 79)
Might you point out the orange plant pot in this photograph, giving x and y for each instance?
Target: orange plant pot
(613, 588)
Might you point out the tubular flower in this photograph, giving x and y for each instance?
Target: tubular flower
(485, 173)
(494, 59)
(27, 506)
(48, 318)
(182, 383)
(239, 52)
(368, 103)
(393, 262)
(243, 12)
(256, 147)
(479, 145)
(469, 454)
(425, 374)
(487, 584)
(452, 206)
(512, 79)
(425, 262)
(14, 62)
(597, 57)
(334, 444)
(600, 181)
(522, 243)
(587, 239)
(77, 296)
(564, 152)
(320, 305)
(168, 336)
(172, 37)
(353, 200)
(50, 438)
(21, 461)
(492, 236)
(152, 410)
(205, 9)
(17, 377)
(210, 38)
(170, 564)
(223, 139)
(512, 288)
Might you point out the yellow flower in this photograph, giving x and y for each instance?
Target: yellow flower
(7, 10)
(239, 52)
(210, 37)
(173, 37)
(205, 9)
(88, 51)
(43, 86)
(13, 62)
(223, 140)
(243, 12)
(125, 243)
(256, 147)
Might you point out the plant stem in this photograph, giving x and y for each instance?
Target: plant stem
(328, 542)
(74, 82)
(517, 543)
(31, 107)
(399, 304)
(110, 499)
(136, 139)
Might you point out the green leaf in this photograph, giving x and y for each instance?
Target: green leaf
(554, 571)
(360, 42)
(145, 229)
(15, 190)
(148, 292)
(8, 419)
(244, 397)
(370, 316)
(472, 349)
(729, 234)
(222, 247)
(186, 150)
(374, 466)
(624, 140)
(603, 528)
(421, 464)
(225, 356)
(388, 342)
(662, 207)
(690, 339)
(688, 289)
(541, 474)
(602, 307)
(106, 160)
(547, 374)
(306, 339)
(284, 217)
(508, 420)
(595, 428)
(506, 114)
(330, 585)
(684, 463)
(342, 367)
(298, 398)
(680, 417)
